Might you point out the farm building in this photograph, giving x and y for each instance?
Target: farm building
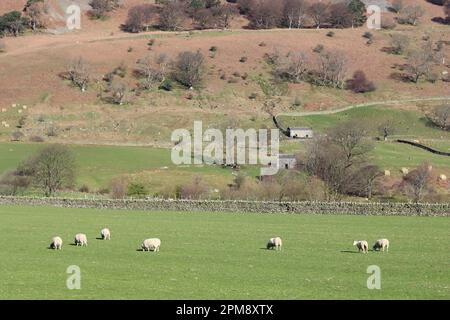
(300, 133)
(286, 161)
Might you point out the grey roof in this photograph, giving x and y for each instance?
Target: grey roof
(286, 156)
(300, 128)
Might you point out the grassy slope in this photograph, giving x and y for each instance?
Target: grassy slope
(213, 256)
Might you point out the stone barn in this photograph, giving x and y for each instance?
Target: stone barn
(287, 161)
(300, 133)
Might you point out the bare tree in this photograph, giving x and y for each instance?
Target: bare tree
(189, 68)
(152, 71)
(399, 43)
(386, 129)
(13, 183)
(419, 181)
(411, 15)
(225, 14)
(35, 14)
(119, 92)
(397, 5)
(336, 157)
(294, 13)
(78, 72)
(172, 16)
(440, 116)
(196, 189)
(100, 8)
(359, 83)
(52, 168)
(139, 17)
(266, 14)
(294, 67)
(319, 12)
(420, 63)
(350, 138)
(331, 69)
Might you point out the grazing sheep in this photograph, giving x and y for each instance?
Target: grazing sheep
(106, 234)
(382, 244)
(81, 239)
(275, 243)
(56, 243)
(151, 244)
(362, 245)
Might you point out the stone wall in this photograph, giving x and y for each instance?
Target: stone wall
(335, 208)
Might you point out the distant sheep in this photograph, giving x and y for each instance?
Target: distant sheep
(276, 243)
(362, 245)
(151, 244)
(56, 243)
(81, 239)
(106, 234)
(382, 244)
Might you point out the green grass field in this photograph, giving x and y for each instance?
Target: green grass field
(220, 256)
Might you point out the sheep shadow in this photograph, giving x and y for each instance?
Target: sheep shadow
(350, 251)
(99, 238)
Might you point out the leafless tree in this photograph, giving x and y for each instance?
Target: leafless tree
(139, 17)
(411, 15)
(420, 63)
(119, 92)
(225, 14)
(397, 5)
(295, 13)
(386, 129)
(35, 14)
(189, 68)
(266, 14)
(100, 8)
(294, 67)
(78, 72)
(440, 116)
(331, 69)
(419, 181)
(319, 12)
(399, 43)
(172, 16)
(13, 183)
(152, 71)
(52, 168)
(350, 137)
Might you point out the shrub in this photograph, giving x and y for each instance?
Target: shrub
(213, 49)
(2, 47)
(243, 59)
(166, 85)
(16, 136)
(36, 139)
(84, 189)
(137, 190)
(368, 35)
(387, 23)
(319, 48)
(330, 34)
(359, 83)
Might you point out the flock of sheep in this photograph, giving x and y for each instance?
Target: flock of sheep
(81, 240)
(154, 244)
(363, 245)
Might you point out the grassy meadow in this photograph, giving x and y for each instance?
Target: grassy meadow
(220, 256)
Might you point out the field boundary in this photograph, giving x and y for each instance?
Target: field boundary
(235, 206)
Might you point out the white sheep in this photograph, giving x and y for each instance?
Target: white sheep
(382, 244)
(362, 245)
(81, 239)
(106, 234)
(276, 243)
(56, 243)
(151, 244)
